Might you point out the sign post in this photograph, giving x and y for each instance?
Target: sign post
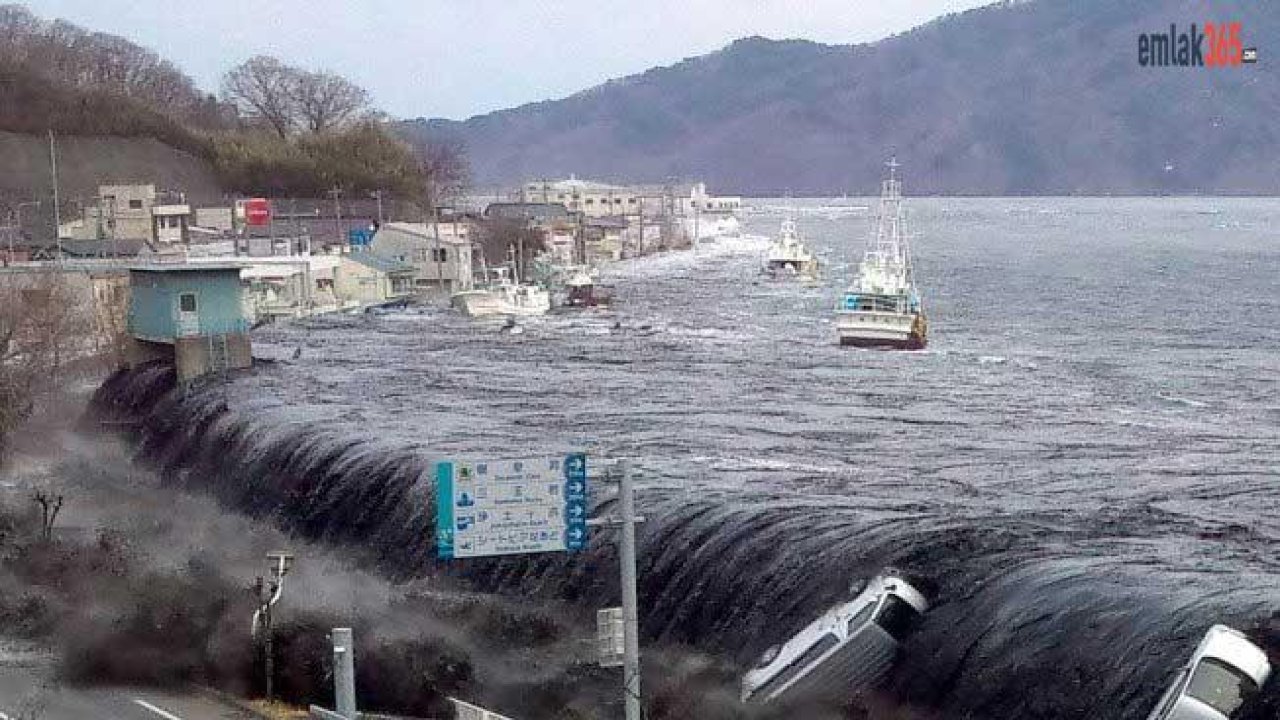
(510, 507)
(610, 644)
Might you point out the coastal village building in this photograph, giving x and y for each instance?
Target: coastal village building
(651, 216)
(101, 289)
(560, 229)
(602, 239)
(595, 199)
(592, 199)
(192, 314)
(132, 212)
(440, 253)
(366, 278)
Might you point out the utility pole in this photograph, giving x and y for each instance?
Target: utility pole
(115, 245)
(57, 217)
(626, 522)
(438, 253)
(8, 259)
(377, 194)
(336, 193)
(640, 222)
(630, 612)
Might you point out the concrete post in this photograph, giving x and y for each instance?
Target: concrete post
(630, 624)
(344, 673)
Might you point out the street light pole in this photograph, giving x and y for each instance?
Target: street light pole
(268, 595)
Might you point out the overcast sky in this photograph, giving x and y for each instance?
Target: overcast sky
(457, 58)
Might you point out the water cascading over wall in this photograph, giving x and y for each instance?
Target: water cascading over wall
(1034, 617)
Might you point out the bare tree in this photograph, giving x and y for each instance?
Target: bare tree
(73, 55)
(44, 323)
(265, 88)
(50, 506)
(445, 171)
(326, 101)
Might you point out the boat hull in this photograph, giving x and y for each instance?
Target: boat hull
(892, 331)
(791, 268)
(480, 303)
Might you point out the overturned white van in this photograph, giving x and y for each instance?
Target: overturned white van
(1225, 669)
(849, 648)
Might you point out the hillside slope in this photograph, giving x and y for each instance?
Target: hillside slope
(86, 162)
(1034, 97)
(102, 138)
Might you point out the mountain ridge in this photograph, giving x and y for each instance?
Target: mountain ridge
(1014, 98)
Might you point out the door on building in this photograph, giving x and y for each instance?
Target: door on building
(188, 315)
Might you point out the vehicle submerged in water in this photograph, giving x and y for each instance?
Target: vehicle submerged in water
(882, 308)
(849, 648)
(1225, 670)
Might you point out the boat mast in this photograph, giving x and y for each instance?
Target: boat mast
(887, 246)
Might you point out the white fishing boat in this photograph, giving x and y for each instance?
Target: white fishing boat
(501, 295)
(882, 308)
(581, 290)
(712, 226)
(788, 256)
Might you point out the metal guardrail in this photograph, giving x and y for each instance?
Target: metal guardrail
(467, 711)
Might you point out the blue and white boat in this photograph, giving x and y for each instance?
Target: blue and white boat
(882, 307)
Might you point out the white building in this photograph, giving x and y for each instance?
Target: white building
(440, 253)
(132, 212)
(595, 199)
(592, 199)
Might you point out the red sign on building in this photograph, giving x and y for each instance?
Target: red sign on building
(257, 211)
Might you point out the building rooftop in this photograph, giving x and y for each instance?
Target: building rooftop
(379, 262)
(526, 210)
(611, 221)
(426, 232)
(179, 267)
(572, 183)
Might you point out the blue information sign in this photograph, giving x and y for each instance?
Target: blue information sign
(508, 507)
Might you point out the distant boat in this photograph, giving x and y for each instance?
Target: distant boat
(502, 296)
(882, 308)
(787, 255)
(582, 291)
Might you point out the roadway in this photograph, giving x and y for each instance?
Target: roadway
(28, 691)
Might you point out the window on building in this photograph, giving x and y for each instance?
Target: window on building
(631, 201)
(590, 201)
(187, 302)
(617, 201)
(440, 255)
(135, 204)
